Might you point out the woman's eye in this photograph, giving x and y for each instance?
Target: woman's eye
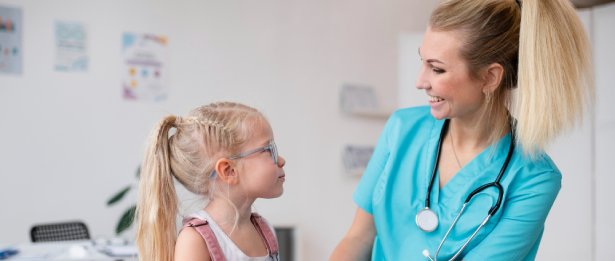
(438, 70)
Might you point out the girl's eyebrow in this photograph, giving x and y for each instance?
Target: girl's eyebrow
(265, 143)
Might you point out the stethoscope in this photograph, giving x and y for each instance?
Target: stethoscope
(427, 219)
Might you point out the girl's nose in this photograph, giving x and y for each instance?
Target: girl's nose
(281, 161)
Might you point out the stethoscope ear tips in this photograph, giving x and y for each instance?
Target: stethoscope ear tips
(426, 254)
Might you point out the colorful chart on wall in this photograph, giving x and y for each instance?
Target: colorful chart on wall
(10, 40)
(145, 67)
(71, 47)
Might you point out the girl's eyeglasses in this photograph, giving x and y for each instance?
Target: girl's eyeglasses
(271, 147)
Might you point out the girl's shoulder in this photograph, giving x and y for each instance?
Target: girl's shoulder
(190, 246)
(220, 243)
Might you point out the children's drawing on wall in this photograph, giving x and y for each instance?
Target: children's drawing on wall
(71, 47)
(145, 67)
(10, 40)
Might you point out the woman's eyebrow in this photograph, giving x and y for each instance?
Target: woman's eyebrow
(435, 61)
(430, 60)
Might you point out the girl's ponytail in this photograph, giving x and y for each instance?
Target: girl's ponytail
(555, 76)
(157, 203)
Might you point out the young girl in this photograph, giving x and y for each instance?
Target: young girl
(225, 152)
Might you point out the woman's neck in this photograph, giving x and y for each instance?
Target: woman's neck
(469, 135)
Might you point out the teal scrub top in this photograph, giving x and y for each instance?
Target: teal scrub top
(394, 186)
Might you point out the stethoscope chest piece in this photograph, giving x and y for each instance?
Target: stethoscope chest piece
(427, 220)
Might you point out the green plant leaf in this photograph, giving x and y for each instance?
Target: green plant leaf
(118, 196)
(126, 220)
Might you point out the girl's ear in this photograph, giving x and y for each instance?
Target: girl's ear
(493, 77)
(226, 171)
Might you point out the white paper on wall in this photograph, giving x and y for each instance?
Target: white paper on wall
(355, 158)
(10, 40)
(355, 98)
(71, 47)
(145, 68)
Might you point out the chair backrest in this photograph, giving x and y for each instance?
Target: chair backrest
(75, 230)
(286, 242)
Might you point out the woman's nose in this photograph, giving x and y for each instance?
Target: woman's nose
(281, 161)
(421, 80)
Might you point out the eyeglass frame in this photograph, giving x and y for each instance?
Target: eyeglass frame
(271, 147)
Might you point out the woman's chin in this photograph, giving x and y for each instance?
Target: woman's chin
(438, 115)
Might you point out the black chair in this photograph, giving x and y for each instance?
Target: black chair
(75, 230)
(286, 242)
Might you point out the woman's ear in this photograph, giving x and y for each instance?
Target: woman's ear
(226, 171)
(492, 77)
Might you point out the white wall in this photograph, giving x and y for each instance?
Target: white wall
(604, 40)
(68, 140)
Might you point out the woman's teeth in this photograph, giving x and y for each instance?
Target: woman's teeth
(435, 99)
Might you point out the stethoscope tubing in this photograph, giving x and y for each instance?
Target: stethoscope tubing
(495, 184)
(437, 161)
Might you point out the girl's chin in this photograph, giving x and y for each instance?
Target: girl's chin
(276, 195)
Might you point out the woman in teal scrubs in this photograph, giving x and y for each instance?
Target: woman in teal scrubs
(474, 53)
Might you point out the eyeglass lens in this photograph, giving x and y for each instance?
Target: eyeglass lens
(274, 152)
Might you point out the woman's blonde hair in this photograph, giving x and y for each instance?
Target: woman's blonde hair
(188, 155)
(543, 48)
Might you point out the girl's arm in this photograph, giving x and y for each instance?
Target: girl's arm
(358, 241)
(191, 246)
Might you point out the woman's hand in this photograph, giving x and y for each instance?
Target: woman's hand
(358, 242)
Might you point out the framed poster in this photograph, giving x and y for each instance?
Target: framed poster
(145, 68)
(10, 40)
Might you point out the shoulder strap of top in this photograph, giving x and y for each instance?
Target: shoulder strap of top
(202, 226)
(266, 233)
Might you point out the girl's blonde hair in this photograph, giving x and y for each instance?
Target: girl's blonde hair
(189, 155)
(543, 48)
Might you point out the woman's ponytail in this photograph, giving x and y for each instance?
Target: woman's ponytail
(555, 76)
